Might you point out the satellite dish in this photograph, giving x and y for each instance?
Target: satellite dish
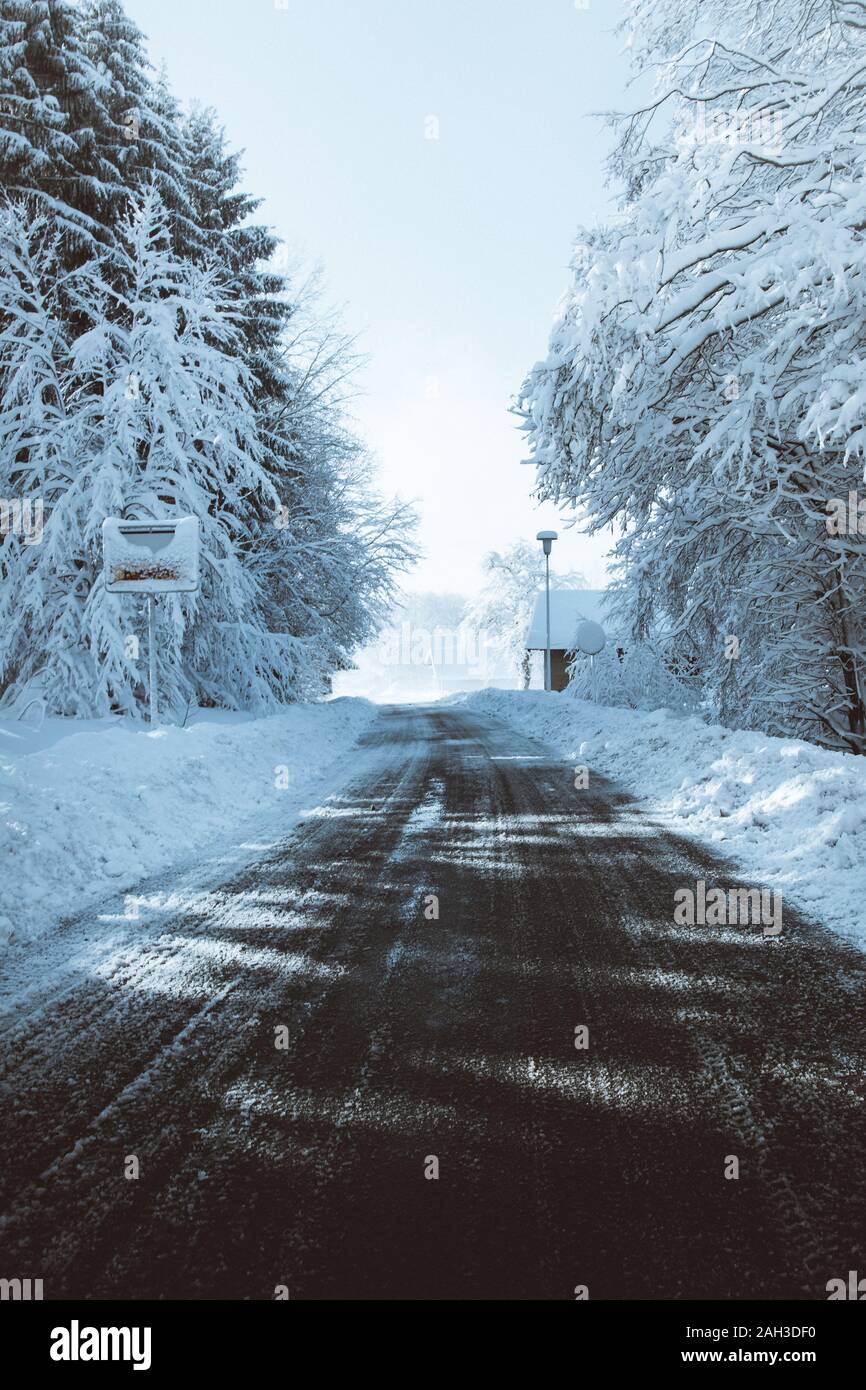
(590, 638)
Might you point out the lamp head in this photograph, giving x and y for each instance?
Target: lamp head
(547, 538)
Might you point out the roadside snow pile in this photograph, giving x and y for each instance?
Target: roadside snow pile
(92, 807)
(792, 815)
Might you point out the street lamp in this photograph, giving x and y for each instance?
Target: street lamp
(547, 538)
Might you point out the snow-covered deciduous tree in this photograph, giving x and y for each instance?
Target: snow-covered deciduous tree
(513, 578)
(36, 462)
(704, 388)
(330, 556)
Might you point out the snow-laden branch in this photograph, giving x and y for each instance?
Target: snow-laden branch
(704, 389)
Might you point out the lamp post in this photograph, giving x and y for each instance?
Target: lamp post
(547, 538)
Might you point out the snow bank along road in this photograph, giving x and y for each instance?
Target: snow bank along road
(304, 1165)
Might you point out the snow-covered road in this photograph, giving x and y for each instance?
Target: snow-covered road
(281, 1058)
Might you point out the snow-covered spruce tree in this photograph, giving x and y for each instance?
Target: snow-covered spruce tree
(704, 387)
(228, 237)
(82, 123)
(140, 125)
(50, 112)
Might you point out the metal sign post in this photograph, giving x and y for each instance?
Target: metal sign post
(151, 557)
(548, 676)
(151, 662)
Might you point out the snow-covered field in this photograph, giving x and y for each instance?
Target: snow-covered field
(90, 808)
(791, 815)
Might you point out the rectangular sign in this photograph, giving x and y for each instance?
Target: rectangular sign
(151, 557)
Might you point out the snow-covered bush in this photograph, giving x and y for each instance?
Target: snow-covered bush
(630, 677)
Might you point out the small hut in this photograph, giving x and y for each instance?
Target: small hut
(568, 607)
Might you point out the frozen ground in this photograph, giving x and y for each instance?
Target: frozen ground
(792, 816)
(91, 808)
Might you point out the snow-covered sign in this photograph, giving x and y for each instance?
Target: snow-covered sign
(150, 557)
(590, 638)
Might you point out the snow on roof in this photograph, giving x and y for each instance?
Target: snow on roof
(568, 607)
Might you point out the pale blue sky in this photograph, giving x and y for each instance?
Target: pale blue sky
(448, 254)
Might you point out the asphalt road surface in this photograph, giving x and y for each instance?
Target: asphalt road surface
(282, 1058)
